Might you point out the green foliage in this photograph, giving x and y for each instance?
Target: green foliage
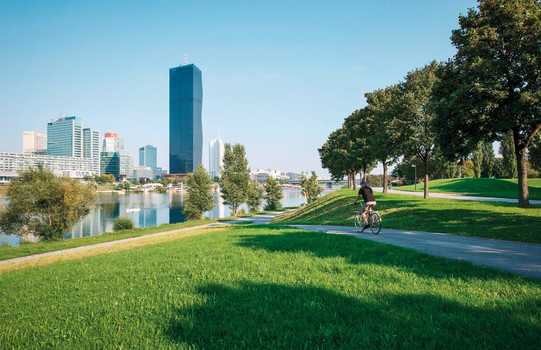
(273, 194)
(492, 85)
(161, 189)
(477, 160)
(310, 187)
(122, 223)
(487, 166)
(467, 168)
(104, 179)
(507, 150)
(44, 204)
(200, 198)
(254, 196)
(235, 176)
(534, 155)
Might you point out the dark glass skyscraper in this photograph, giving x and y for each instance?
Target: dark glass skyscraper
(185, 126)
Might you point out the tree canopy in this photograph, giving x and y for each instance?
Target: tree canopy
(235, 176)
(43, 204)
(200, 198)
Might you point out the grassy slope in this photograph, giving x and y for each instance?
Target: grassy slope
(502, 188)
(483, 219)
(268, 287)
(44, 247)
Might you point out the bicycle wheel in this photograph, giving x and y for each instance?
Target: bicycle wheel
(375, 227)
(358, 222)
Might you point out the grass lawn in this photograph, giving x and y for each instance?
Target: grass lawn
(483, 219)
(482, 187)
(268, 287)
(51, 246)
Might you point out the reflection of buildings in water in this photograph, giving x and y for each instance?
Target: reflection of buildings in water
(88, 226)
(219, 209)
(148, 217)
(176, 207)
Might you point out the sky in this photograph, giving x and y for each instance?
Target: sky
(278, 76)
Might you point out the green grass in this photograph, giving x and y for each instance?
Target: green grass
(268, 287)
(51, 246)
(482, 187)
(472, 218)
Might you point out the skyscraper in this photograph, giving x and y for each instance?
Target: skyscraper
(185, 126)
(65, 137)
(91, 147)
(216, 157)
(148, 156)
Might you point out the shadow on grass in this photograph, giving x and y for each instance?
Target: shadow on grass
(281, 316)
(362, 252)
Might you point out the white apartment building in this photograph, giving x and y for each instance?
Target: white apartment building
(12, 163)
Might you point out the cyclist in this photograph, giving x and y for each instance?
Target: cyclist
(369, 200)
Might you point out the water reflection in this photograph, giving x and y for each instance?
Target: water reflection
(150, 209)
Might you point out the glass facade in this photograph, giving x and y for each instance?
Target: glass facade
(148, 156)
(65, 137)
(91, 147)
(185, 126)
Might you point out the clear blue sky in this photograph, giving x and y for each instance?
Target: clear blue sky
(278, 76)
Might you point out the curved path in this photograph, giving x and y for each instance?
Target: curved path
(519, 258)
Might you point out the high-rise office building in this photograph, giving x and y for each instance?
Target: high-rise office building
(111, 142)
(185, 126)
(216, 157)
(65, 137)
(34, 142)
(91, 147)
(148, 156)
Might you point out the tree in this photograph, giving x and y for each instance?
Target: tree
(44, 204)
(487, 167)
(273, 194)
(200, 198)
(416, 116)
(382, 130)
(310, 187)
(235, 176)
(534, 155)
(254, 196)
(492, 85)
(477, 160)
(507, 150)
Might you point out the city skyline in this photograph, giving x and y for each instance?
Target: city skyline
(278, 82)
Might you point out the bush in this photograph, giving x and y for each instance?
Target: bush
(122, 223)
(48, 233)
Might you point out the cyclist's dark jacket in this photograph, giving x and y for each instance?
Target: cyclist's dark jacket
(366, 192)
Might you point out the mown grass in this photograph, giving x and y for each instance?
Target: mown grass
(51, 246)
(472, 218)
(482, 187)
(268, 287)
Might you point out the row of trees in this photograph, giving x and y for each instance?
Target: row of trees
(453, 111)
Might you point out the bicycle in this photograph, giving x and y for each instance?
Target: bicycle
(373, 217)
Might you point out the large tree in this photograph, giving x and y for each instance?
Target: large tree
(43, 204)
(492, 85)
(200, 198)
(273, 194)
(310, 187)
(416, 116)
(235, 176)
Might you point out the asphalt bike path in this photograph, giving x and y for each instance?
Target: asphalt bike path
(516, 257)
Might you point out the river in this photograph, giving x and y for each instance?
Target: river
(148, 209)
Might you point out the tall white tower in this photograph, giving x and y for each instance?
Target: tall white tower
(216, 156)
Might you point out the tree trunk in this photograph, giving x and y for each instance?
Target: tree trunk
(426, 177)
(384, 176)
(354, 181)
(520, 154)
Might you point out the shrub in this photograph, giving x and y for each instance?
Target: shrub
(122, 223)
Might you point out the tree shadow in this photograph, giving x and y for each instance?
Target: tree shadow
(363, 252)
(281, 316)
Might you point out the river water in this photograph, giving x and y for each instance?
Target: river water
(148, 209)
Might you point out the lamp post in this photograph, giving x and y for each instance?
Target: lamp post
(415, 176)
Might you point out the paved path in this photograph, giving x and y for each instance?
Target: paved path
(457, 196)
(520, 258)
